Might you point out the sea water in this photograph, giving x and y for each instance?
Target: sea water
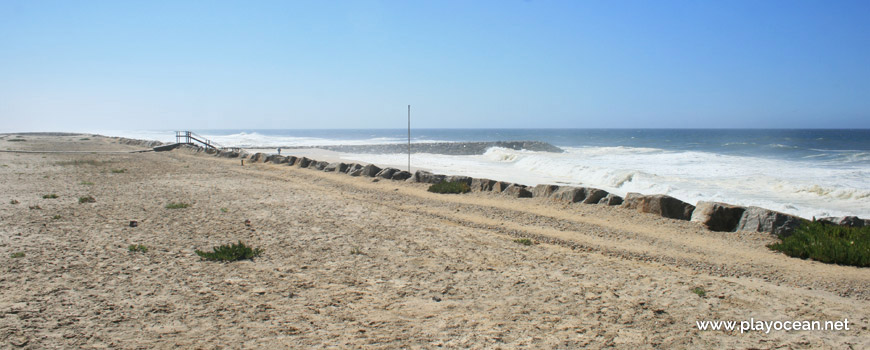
(802, 172)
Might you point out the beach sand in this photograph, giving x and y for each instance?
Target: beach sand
(350, 263)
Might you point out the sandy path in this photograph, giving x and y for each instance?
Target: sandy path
(354, 263)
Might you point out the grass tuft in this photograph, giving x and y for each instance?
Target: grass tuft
(830, 244)
(14, 201)
(119, 171)
(86, 183)
(35, 207)
(450, 187)
(17, 255)
(700, 292)
(16, 140)
(232, 252)
(355, 251)
(56, 217)
(224, 210)
(137, 248)
(523, 241)
(87, 199)
(174, 205)
(49, 196)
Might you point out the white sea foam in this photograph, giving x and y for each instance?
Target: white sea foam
(817, 186)
(801, 188)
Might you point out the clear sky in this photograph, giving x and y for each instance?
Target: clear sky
(80, 65)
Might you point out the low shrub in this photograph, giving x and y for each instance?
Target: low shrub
(450, 187)
(827, 243)
(14, 201)
(87, 183)
(232, 252)
(699, 291)
(523, 241)
(49, 196)
(134, 248)
(119, 171)
(17, 140)
(87, 199)
(17, 255)
(174, 205)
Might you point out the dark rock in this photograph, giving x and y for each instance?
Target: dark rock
(321, 165)
(459, 178)
(303, 162)
(276, 159)
(570, 194)
(611, 199)
(659, 204)
(541, 191)
(757, 219)
(386, 173)
(370, 170)
(718, 216)
(291, 160)
(500, 186)
(518, 191)
(353, 167)
(401, 175)
(337, 166)
(848, 221)
(426, 177)
(356, 171)
(593, 195)
(482, 185)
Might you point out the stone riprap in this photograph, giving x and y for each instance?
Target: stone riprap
(712, 215)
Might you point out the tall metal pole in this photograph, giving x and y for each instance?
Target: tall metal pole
(409, 138)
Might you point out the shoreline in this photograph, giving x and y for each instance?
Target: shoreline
(357, 263)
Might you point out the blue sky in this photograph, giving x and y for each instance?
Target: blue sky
(84, 65)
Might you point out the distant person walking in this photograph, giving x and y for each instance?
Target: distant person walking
(279, 151)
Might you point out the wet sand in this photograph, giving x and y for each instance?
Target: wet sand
(349, 263)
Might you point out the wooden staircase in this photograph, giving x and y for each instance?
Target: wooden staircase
(192, 138)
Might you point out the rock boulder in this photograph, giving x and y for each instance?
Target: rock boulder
(543, 191)
(482, 185)
(718, 216)
(757, 219)
(659, 204)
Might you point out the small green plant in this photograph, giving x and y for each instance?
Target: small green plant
(355, 251)
(17, 140)
(830, 244)
(17, 255)
(49, 196)
(86, 183)
(232, 252)
(699, 291)
(174, 205)
(523, 241)
(86, 199)
(84, 139)
(224, 210)
(34, 207)
(14, 201)
(119, 171)
(56, 217)
(137, 248)
(450, 187)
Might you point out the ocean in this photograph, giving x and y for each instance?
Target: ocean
(802, 172)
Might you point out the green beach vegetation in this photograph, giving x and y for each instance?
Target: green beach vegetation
(827, 243)
(233, 252)
(450, 187)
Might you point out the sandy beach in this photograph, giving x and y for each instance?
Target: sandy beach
(350, 262)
